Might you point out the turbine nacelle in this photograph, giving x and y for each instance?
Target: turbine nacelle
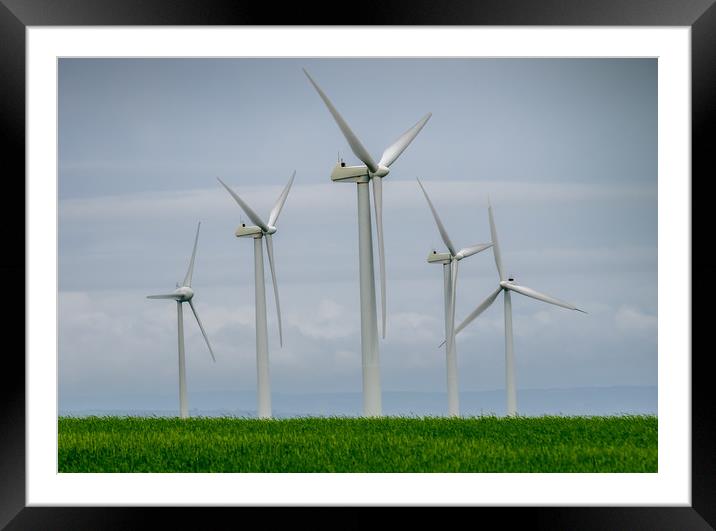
(439, 258)
(356, 174)
(350, 174)
(253, 231)
(248, 230)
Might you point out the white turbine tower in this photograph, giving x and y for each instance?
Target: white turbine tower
(449, 262)
(506, 286)
(182, 294)
(362, 175)
(258, 232)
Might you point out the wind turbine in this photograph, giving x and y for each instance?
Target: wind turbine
(362, 175)
(258, 232)
(507, 285)
(182, 294)
(449, 262)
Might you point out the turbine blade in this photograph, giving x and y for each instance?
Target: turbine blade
(473, 249)
(394, 151)
(484, 305)
(529, 292)
(269, 250)
(495, 245)
(355, 144)
(201, 327)
(441, 227)
(253, 216)
(273, 216)
(190, 271)
(378, 204)
(166, 296)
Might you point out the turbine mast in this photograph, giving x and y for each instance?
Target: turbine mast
(450, 348)
(262, 358)
(372, 406)
(183, 405)
(509, 358)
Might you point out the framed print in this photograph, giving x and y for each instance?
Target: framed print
(45, 56)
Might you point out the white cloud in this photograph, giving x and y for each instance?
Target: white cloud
(544, 317)
(326, 320)
(346, 360)
(511, 192)
(412, 327)
(215, 317)
(597, 257)
(631, 319)
(327, 197)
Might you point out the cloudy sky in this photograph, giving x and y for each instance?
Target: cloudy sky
(566, 150)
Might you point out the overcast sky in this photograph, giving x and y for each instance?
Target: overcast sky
(566, 150)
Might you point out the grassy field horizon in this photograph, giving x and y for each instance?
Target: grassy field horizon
(625, 443)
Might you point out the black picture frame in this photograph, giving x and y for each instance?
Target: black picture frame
(16, 15)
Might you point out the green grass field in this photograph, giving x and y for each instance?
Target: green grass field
(389, 444)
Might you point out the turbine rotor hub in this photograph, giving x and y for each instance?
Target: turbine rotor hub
(382, 171)
(185, 293)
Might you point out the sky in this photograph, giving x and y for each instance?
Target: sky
(565, 149)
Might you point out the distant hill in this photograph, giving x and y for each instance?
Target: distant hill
(531, 402)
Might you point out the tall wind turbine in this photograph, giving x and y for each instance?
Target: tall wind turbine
(261, 230)
(449, 262)
(182, 294)
(506, 286)
(362, 175)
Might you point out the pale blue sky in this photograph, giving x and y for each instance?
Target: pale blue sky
(566, 150)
